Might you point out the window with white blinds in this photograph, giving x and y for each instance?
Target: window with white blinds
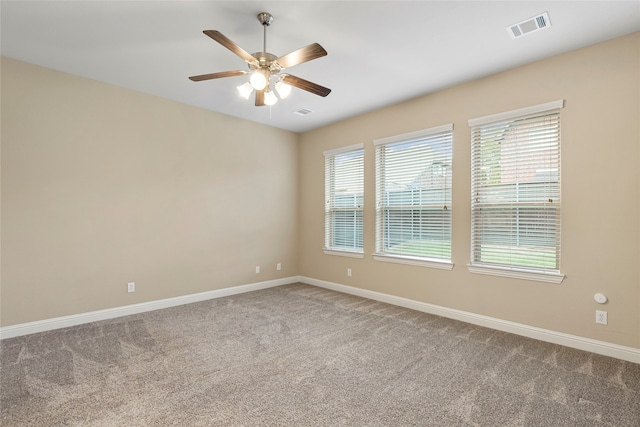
(413, 197)
(515, 193)
(344, 198)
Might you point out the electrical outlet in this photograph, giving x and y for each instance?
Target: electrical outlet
(131, 287)
(278, 266)
(601, 317)
(348, 272)
(257, 269)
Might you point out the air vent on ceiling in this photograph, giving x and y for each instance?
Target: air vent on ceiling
(529, 26)
(303, 112)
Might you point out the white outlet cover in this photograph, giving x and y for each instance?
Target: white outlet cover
(601, 317)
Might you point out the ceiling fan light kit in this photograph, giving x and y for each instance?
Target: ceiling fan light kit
(266, 66)
(270, 98)
(245, 90)
(258, 80)
(283, 89)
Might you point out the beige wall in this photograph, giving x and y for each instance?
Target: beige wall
(102, 186)
(600, 195)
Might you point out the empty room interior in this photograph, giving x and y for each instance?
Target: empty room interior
(433, 220)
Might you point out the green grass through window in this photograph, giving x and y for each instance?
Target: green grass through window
(527, 257)
(424, 248)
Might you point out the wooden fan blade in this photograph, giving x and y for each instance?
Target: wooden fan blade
(224, 41)
(217, 75)
(301, 55)
(260, 98)
(306, 85)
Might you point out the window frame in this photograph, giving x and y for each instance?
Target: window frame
(504, 269)
(330, 209)
(380, 254)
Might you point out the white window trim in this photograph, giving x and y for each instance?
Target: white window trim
(416, 134)
(408, 260)
(516, 273)
(553, 105)
(335, 251)
(343, 149)
(350, 254)
(511, 272)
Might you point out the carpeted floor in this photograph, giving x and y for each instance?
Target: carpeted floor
(298, 355)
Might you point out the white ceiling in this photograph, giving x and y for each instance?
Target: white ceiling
(379, 52)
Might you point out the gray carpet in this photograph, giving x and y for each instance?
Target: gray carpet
(298, 355)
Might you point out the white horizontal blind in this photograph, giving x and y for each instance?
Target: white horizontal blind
(515, 192)
(344, 198)
(413, 195)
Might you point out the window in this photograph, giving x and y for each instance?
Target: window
(515, 193)
(344, 197)
(413, 198)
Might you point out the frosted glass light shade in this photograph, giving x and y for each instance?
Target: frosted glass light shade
(245, 90)
(283, 89)
(258, 80)
(270, 98)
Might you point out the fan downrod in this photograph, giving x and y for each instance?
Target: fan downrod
(265, 59)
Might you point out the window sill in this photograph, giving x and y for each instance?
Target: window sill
(349, 254)
(513, 273)
(420, 262)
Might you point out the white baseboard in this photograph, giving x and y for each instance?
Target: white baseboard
(599, 347)
(111, 313)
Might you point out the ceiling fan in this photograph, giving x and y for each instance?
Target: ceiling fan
(264, 65)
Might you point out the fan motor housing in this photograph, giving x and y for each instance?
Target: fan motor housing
(266, 60)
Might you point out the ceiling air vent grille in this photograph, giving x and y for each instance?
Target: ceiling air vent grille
(303, 112)
(529, 26)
